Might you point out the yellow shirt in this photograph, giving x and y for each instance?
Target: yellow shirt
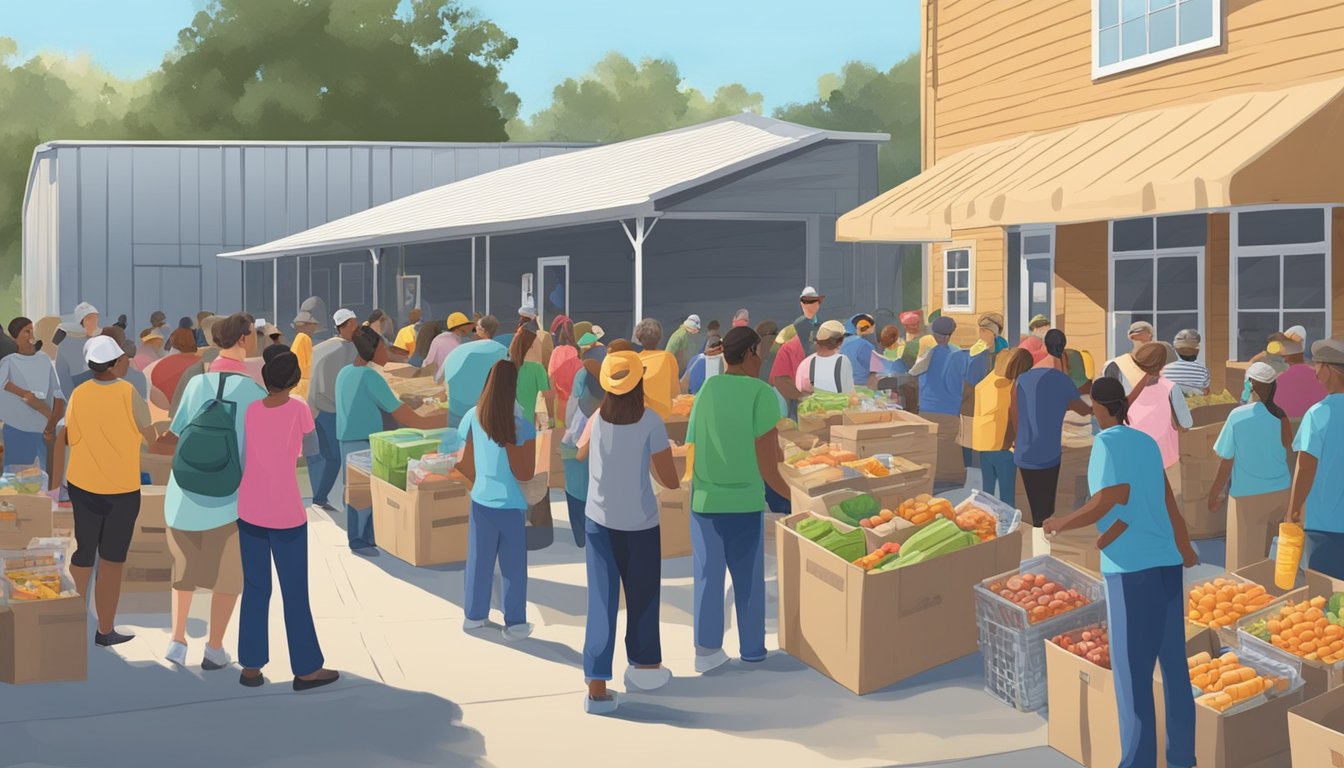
(406, 339)
(103, 423)
(989, 417)
(303, 349)
(661, 383)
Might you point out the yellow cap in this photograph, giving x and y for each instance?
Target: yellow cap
(621, 372)
(457, 319)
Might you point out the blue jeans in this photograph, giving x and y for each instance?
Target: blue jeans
(998, 471)
(24, 449)
(358, 522)
(327, 465)
(735, 542)
(288, 548)
(1146, 611)
(633, 559)
(496, 533)
(577, 518)
(1324, 552)
(780, 505)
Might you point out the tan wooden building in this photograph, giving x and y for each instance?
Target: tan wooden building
(1103, 161)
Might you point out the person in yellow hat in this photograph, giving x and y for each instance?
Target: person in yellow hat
(460, 329)
(623, 443)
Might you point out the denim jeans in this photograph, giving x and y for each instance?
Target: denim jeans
(24, 449)
(358, 522)
(735, 542)
(288, 548)
(1146, 611)
(577, 518)
(779, 505)
(998, 471)
(496, 534)
(633, 560)
(1324, 552)
(327, 465)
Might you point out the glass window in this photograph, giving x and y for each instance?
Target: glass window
(1136, 33)
(1036, 244)
(1133, 285)
(1283, 227)
(957, 279)
(1304, 281)
(352, 285)
(1188, 231)
(1132, 235)
(1177, 281)
(1258, 282)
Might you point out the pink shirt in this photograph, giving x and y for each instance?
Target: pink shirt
(438, 352)
(250, 367)
(269, 494)
(1297, 390)
(1152, 414)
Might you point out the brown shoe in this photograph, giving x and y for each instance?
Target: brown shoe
(316, 680)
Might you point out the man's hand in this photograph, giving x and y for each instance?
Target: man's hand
(1189, 557)
(1293, 516)
(1215, 502)
(1052, 526)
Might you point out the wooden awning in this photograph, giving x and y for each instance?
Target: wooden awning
(1250, 148)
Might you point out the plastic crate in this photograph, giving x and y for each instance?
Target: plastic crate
(1013, 649)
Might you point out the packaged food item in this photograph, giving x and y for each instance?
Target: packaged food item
(17, 481)
(35, 574)
(1222, 602)
(1289, 555)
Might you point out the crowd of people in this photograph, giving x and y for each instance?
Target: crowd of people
(243, 403)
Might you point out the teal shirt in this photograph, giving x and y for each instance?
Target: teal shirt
(1125, 456)
(188, 511)
(496, 486)
(1252, 439)
(1322, 435)
(362, 397)
(465, 372)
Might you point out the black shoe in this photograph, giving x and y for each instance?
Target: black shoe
(255, 681)
(307, 685)
(111, 638)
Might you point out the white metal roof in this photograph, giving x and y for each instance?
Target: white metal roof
(77, 143)
(603, 183)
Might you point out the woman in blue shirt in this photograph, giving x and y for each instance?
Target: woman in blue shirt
(500, 451)
(1256, 446)
(1143, 545)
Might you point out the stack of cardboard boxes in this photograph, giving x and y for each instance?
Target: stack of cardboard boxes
(149, 562)
(1198, 468)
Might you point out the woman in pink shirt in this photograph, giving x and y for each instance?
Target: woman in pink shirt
(273, 526)
(564, 364)
(1157, 408)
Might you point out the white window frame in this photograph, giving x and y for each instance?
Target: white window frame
(969, 307)
(1024, 286)
(1236, 251)
(1155, 57)
(1155, 253)
(340, 286)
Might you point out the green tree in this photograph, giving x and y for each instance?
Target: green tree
(331, 69)
(620, 99)
(864, 98)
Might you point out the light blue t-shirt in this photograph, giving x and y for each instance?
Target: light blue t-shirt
(1322, 435)
(188, 511)
(1125, 456)
(465, 372)
(496, 486)
(1252, 439)
(362, 397)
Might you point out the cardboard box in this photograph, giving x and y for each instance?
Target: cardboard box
(674, 521)
(1316, 731)
(1320, 678)
(1077, 547)
(904, 434)
(157, 465)
(1262, 573)
(149, 561)
(876, 537)
(1084, 722)
(1254, 738)
(358, 493)
(807, 492)
(820, 425)
(23, 518)
(676, 428)
(44, 641)
(424, 525)
(556, 472)
(867, 631)
(1198, 468)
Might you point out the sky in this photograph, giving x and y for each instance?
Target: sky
(777, 47)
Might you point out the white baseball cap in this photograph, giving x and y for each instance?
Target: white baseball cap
(83, 309)
(528, 310)
(102, 349)
(342, 316)
(693, 322)
(1261, 372)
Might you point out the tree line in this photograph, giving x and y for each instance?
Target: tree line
(333, 70)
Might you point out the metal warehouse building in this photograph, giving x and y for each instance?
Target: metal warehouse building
(738, 212)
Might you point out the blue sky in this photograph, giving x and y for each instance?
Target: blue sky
(777, 47)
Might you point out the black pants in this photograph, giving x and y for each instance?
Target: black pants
(1041, 485)
(104, 525)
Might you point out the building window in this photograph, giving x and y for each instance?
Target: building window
(1038, 273)
(1281, 276)
(957, 280)
(352, 285)
(1127, 34)
(1157, 276)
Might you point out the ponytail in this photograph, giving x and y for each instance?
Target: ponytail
(1265, 391)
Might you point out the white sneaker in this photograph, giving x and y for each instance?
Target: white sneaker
(470, 624)
(177, 653)
(647, 679)
(215, 658)
(517, 632)
(604, 706)
(709, 662)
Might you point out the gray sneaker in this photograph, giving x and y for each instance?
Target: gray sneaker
(215, 658)
(517, 632)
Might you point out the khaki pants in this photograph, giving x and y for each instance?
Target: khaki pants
(1252, 521)
(951, 464)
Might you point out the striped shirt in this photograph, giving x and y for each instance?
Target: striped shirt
(1190, 375)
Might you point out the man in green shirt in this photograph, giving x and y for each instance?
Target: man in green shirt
(735, 454)
(681, 344)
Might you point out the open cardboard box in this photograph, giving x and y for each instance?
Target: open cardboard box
(1319, 677)
(24, 517)
(425, 524)
(903, 434)
(1316, 731)
(44, 641)
(867, 631)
